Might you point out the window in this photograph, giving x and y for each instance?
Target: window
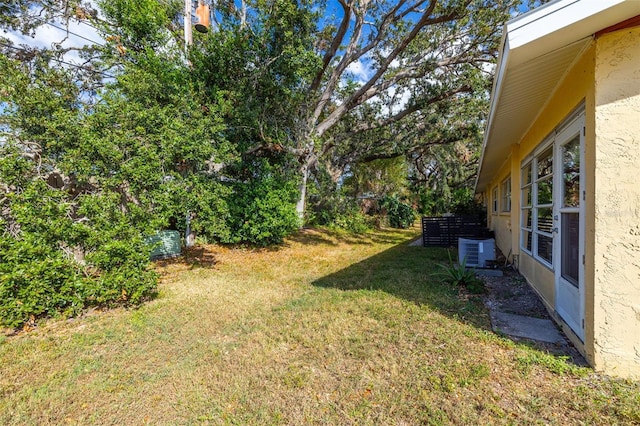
(537, 206)
(505, 205)
(526, 208)
(494, 199)
(543, 206)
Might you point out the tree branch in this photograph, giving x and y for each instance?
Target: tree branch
(371, 87)
(407, 111)
(335, 45)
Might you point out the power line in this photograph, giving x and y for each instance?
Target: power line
(59, 60)
(72, 33)
(43, 21)
(82, 21)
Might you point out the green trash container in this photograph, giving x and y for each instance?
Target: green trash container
(165, 244)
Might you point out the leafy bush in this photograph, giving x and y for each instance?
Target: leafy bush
(353, 221)
(399, 214)
(262, 211)
(206, 200)
(52, 264)
(37, 281)
(338, 211)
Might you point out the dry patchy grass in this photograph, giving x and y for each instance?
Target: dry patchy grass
(326, 329)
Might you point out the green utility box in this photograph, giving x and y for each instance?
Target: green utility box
(165, 244)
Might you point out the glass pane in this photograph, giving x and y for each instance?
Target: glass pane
(570, 247)
(526, 196)
(545, 191)
(545, 220)
(506, 195)
(545, 163)
(506, 203)
(526, 218)
(526, 238)
(571, 173)
(545, 247)
(526, 174)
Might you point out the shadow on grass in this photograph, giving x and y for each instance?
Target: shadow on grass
(192, 257)
(411, 273)
(202, 256)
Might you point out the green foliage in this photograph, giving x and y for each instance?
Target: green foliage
(352, 221)
(141, 24)
(378, 178)
(81, 185)
(88, 167)
(400, 215)
(51, 264)
(36, 280)
(443, 177)
(332, 208)
(461, 276)
(465, 204)
(262, 209)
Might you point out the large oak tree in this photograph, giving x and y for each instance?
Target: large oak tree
(391, 78)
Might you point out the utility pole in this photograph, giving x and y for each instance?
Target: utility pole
(189, 236)
(188, 32)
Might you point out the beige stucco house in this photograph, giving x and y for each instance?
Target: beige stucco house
(560, 169)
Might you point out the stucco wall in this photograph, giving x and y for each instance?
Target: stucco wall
(502, 231)
(500, 222)
(617, 204)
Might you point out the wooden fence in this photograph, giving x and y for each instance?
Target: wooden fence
(445, 231)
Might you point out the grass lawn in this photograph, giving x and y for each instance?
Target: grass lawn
(325, 329)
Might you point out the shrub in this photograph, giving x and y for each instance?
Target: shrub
(262, 212)
(352, 221)
(339, 212)
(37, 281)
(52, 263)
(399, 214)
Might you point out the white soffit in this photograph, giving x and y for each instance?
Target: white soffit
(539, 48)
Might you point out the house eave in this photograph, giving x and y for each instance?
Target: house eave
(537, 50)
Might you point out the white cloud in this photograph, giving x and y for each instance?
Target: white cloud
(359, 71)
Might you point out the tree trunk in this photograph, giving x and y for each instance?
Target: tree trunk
(300, 206)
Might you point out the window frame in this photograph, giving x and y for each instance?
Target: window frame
(536, 205)
(526, 206)
(505, 195)
(539, 205)
(495, 200)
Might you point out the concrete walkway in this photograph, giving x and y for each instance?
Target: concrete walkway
(511, 324)
(539, 329)
(417, 242)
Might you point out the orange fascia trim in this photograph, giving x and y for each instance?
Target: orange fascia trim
(628, 23)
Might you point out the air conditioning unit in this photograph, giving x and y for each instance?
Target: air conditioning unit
(476, 252)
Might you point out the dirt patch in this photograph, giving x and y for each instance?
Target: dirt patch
(511, 294)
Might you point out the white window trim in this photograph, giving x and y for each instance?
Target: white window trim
(495, 200)
(533, 161)
(505, 195)
(535, 206)
(523, 228)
